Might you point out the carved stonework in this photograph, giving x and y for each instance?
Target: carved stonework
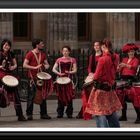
(5, 17)
(62, 29)
(121, 28)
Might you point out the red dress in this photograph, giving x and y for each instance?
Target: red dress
(65, 92)
(93, 60)
(104, 102)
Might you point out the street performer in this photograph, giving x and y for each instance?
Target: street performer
(65, 67)
(35, 61)
(93, 60)
(103, 101)
(8, 64)
(128, 68)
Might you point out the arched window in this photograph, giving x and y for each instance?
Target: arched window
(21, 26)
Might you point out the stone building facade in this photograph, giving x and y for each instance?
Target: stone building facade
(78, 30)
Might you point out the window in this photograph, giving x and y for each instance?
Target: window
(137, 26)
(21, 26)
(83, 27)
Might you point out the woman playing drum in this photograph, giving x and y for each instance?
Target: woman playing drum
(128, 68)
(103, 101)
(7, 65)
(65, 66)
(93, 60)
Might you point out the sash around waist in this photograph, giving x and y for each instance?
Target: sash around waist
(104, 86)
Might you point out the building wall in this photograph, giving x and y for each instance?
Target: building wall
(58, 29)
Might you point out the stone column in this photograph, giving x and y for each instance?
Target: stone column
(61, 30)
(121, 28)
(6, 26)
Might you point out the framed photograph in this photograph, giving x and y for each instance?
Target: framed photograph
(74, 23)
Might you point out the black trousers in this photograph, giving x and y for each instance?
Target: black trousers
(61, 107)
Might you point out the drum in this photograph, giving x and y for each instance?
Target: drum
(10, 81)
(88, 81)
(63, 80)
(122, 84)
(41, 77)
(136, 86)
(44, 76)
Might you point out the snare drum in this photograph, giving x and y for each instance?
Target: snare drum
(63, 80)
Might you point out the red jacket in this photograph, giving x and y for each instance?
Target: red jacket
(134, 65)
(106, 69)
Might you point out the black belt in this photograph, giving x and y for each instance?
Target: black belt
(103, 86)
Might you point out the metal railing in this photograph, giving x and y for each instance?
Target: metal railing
(82, 58)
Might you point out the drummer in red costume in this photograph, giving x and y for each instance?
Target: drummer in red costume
(8, 64)
(128, 68)
(65, 66)
(103, 101)
(36, 61)
(93, 60)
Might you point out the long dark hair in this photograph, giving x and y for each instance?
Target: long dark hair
(94, 63)
(108, 44)
(5, 41)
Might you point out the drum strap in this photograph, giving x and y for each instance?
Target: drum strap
(38, 62)
(69, 69)
(37, 59)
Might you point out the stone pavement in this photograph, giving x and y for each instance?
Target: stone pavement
(9, 120)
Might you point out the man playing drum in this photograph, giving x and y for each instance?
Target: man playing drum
(36, 61)
(128, 68)
(93, 60)
(65, 66)
(8, 64)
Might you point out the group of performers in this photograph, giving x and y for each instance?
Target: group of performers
(100, 98)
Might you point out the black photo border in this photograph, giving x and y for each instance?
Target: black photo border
(72, 4)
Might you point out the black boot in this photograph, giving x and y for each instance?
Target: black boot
(123, 117)
(80, 114)
(137, 121)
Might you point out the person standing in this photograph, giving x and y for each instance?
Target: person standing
(93, 60)
(103, 101)
(128, 68)
(35, 60)
(8, 64)
(65, 66)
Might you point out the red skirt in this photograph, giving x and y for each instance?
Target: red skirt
(103, 102)
(133, 95)
(65, 93)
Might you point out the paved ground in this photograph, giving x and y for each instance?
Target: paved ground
(9, 120)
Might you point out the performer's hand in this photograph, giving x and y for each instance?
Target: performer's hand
(67, 72)
(61, 74)
(122, 65)
(11, 68)
(38, 66)
(91, 74)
